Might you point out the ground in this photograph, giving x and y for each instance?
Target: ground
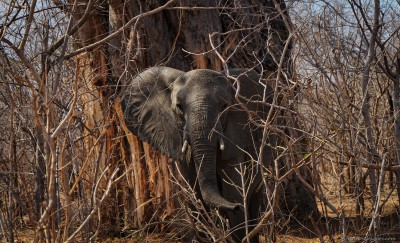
(389, 223)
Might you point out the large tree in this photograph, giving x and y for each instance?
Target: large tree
(189, 35)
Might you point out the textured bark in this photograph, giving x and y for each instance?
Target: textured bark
(102, 149)
(396, 116)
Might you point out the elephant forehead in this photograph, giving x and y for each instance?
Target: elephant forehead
(205, 77)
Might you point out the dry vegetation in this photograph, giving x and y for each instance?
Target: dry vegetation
(69, 171)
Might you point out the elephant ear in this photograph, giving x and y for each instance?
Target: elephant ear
(236, 134)
(149, 113)
(238, 131)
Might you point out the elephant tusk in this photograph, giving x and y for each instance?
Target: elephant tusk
(221, 144)
(184, 147)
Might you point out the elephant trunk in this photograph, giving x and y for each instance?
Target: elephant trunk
(204, 150)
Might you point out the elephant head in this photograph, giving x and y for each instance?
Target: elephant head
(171, 109)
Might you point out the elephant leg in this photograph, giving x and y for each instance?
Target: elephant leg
(232, 190)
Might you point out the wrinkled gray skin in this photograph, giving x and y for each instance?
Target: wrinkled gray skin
(166, 107)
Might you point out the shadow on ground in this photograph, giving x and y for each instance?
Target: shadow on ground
(332, 229)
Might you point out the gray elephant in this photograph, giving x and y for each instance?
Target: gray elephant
(196, 111)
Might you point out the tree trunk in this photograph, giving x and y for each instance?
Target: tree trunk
(245, 34)
(102, 147)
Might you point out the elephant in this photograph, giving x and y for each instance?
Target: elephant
(197, 118)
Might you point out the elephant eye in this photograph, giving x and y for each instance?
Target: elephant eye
(179, 108)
